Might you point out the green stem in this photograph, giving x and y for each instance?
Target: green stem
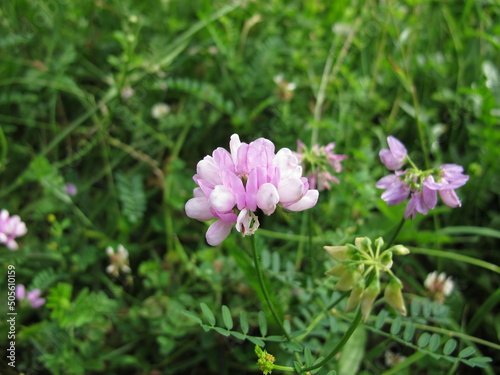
(458, 257)
(263, 287)
(398, 229)
(340, 345)
(320, 317)
(283, 368)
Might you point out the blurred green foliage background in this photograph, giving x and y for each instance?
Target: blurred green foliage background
(123, 98)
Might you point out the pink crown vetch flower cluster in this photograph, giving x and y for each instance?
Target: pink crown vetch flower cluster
(232, 185)
(11, 227)
(33, 297)
(422, 186)
(317, 162)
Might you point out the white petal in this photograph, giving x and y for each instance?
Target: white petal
(290, 190)
(199, 209)
(267, 198)
(288, 164)
(309, 200)
(222, 199)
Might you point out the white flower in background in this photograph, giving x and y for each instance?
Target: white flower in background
(285, 89)
(118, 261)
(127, 93)
(160, 110)
(393, 359)
(439, 285)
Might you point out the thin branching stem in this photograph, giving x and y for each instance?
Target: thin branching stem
(263, 287)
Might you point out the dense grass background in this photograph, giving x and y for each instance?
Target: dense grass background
(78, 83)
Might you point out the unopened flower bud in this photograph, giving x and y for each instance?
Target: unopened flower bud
(400, 250)
(348, 279)
(393, 295)
(379, 244)
(355, 296)
(339, 253)
(369, 296)
(337, 270)
(387, 259)
(363, 243)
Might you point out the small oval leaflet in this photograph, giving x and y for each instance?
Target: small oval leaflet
(226, 317)
(449, 347)
(207, 313)
(262, 323)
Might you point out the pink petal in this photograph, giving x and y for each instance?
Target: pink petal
(267, 198)
(198, 208)
(251, 191)
(450, 198)
(20, 291)
(206, 169)
(397, 148)
(218, 232)
(309, 200)
(37, 303)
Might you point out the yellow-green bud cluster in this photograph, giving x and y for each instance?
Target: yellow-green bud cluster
(359, 268)
(265, 360)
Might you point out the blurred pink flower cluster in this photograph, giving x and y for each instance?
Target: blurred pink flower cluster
(11, 227)
(422, 186)
(33, 297)
(232, 185)
(318, 161)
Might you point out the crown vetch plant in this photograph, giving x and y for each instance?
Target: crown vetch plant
(11, 227)
(421, 185)
(232, 185)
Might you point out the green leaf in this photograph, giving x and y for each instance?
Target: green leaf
(286, 326)
(222, 331)
(262, 323)
(353, 352)
(132, 197)
(481, 362)
(449, 347)
(191, 316)
(415, 307)
(379, 322)
(226, 317)
(276, 264)
(434, 342)
(238, 335)
(409, 332)
(266, 259)
(333, 372)
(275, 338)
(426, 308)
(396, 326)
(423, 340)
(308, 356)
(243, 322)
(256, 341)
(206, 328)
(208, 313)
(467, 352)
(293, 346)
